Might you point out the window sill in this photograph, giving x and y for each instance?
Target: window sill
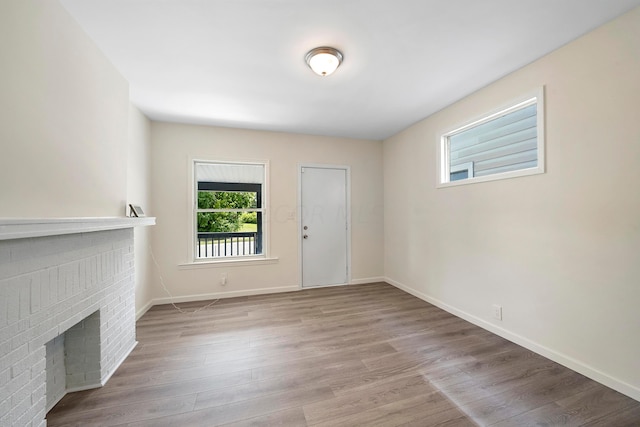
(493, 177)
(228, 262)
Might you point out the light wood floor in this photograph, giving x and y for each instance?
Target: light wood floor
(344, 356)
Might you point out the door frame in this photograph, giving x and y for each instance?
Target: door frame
(347, 170)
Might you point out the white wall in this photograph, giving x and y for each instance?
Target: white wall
(172, 147)
(70, 144)
(63, 117)
(559, 251)
(138, 191)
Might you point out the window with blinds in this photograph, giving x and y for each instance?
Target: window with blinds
(503, 144)
(229, 210)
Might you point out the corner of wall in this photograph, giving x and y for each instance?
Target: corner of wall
(138, 193)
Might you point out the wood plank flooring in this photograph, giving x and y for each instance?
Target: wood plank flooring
(367, 355)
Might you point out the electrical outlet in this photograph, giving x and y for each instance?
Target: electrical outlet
(497, 311)
(223, 279)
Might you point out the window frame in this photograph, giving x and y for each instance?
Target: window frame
(461, 167)
(235, 187)
(444, 171)
(264, 196)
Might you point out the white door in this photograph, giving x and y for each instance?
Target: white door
(324, 225)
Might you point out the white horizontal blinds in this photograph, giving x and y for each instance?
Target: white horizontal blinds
(230, 172)
(503, 144)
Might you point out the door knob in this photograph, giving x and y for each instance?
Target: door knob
(305, 236)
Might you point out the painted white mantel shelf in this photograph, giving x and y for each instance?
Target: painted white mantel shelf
(23, 228)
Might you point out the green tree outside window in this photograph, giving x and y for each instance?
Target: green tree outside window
(226, 222)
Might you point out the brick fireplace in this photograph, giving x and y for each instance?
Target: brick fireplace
(67, 310)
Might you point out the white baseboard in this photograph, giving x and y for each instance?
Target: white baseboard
(367, 280)
(241, 293)
(220, 295)
(98, 384)
(83, 388)
(118, 363)
(558, 357)
(143, 310)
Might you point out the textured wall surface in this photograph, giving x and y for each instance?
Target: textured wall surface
(49, 285)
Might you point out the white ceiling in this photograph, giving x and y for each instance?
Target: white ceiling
(240, 63)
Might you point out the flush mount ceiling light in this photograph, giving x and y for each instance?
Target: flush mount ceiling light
(323, 60)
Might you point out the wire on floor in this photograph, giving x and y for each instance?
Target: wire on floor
(171, 296)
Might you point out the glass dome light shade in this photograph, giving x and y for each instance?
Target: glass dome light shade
(324, 60)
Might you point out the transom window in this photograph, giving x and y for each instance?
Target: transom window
(229, 210)
(503, 144)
